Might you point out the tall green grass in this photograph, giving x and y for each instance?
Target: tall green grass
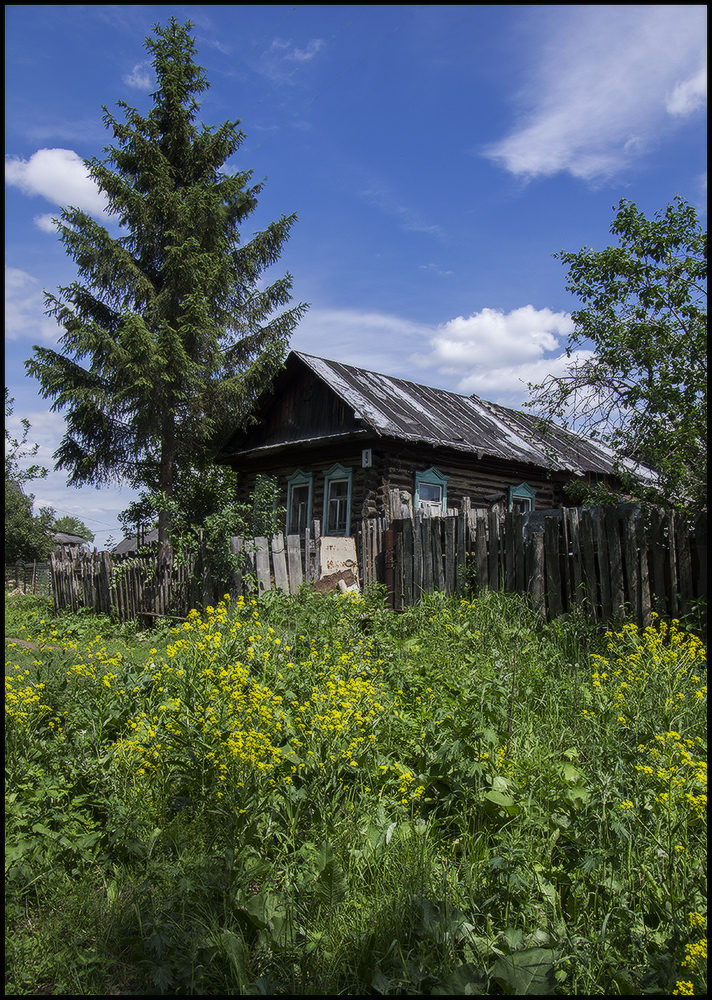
(316, 795)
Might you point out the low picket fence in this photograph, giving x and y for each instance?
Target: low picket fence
(621, 561)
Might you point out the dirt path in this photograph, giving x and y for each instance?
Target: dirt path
(26, 644)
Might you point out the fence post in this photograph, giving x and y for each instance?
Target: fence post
(553, 566)
(308, 576)
(389, 546)
(398, 568)
(535, 578)
(493, 549)
(461, 544)
(407, 550)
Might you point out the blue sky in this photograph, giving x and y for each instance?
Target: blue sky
(436, 157)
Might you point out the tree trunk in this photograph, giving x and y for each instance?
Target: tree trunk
(168, 451)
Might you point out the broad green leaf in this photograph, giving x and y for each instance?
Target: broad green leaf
(526, 973)
(505, 802)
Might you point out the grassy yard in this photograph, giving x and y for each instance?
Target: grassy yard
(315, 795)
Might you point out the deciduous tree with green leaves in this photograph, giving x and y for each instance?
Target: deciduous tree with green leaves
(26, 533)
(169, 333)
(638, 378)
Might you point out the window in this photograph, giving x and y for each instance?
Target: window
(299, 502)
(521, 498)
(337, 500)
(431, 490)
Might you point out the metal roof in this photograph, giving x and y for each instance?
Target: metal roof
(128, 545)
(398, 408)
(67, 538)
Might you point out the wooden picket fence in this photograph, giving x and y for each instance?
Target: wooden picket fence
(148, 586)
(620, 560)
(131, 586)
(282, 562)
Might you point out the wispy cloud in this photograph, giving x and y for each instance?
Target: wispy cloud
(87, 130)
(98, 508)
(689, 95)
(140, 77)
(305, 54)
(282, 61)
(25, 309)
(605, 81)
(410, 220)
(59, 176)
(367, 339)
(434, 269)
(46, 222)
(491, 353)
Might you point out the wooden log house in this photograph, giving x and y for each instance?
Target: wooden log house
(339, 438)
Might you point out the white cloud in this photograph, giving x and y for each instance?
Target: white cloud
(435, 270)
(606, 81)
(278, 61)
(409, 219)
(59, 176)
(491, 353)
(46, 222)
(139, 78)
(379, 341)
(491, 339)
(24, 309)
(508, 384)
(304, 55)
(689, 95)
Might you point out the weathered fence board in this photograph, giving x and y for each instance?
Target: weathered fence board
(427, 555)
(553, 568)
(614, 558)
(604, 566)
(481, 554)
(408, 532)
(630, 557)
(535, 579)
(294, 560)
(279, 561)
(493, 550)
(619, 560)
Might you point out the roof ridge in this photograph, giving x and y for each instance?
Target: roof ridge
(395, 378)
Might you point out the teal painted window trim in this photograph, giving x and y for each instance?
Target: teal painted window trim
(431, 477)
(522, 492)
(299, 478)
(334, 478)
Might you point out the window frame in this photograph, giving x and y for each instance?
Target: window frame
(337, 474)
(430, 477)
(522, 492)
(299, 478)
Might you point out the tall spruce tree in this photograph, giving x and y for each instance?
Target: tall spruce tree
(167, 335)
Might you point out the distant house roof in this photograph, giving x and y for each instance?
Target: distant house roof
(128, 545)
(65, 538)
(397, 408)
